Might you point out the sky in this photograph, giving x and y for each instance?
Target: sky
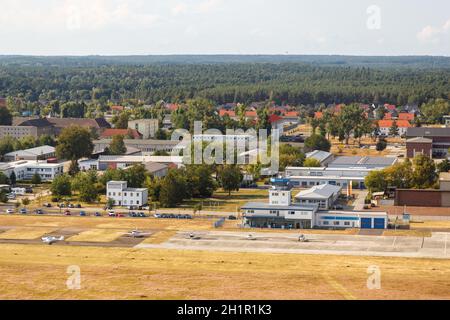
(137, 27)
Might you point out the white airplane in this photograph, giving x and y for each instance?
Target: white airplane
(137, 234)
(251, 237)
(51, 239)
(302, 238)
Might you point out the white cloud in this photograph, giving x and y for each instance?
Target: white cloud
(434, 34)
(75, 14)
(208, 6)
(179, 8)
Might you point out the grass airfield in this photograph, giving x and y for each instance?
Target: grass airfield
(38, 271)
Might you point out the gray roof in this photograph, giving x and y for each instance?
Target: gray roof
(264, 205)
(319, 155)
(37, 151)
(427, 132)
(154, 166)
(362, 161)
(420, 140)
(323, 191)
(137, 142)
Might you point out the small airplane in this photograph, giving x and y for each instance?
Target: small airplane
(251, 237)
(137, 234)
(302, 238)
(51, 239)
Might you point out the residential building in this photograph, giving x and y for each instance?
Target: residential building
(38, 153)
(124, 196)
(386, 125)
(324, 195)
(146, 127)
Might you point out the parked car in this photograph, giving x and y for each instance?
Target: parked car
(111, 213)
(39, 211)
(141, 215)
(156, 215)
(70, 206)
(232, 218)
(10, 211)
(83, 214)
(119, 215)
(47, 205)
(67, 213)
(98, 214)
(61, 205)
(338, 207)
(23, 211)
(188, 216)
(132, 215)
(11, 196)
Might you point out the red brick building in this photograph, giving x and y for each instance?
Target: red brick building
(440, 138)
(419, 145)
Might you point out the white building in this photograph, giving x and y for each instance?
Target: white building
(323, 157)
(352, 219)
(24, 170)
(124, 196)
(146, 127)
(324, 195)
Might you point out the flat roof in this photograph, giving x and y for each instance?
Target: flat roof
(427, 132)
(37, 151)
(327, 178)
(353, 213)
(362, 161)
(319, 155)
(140, 142)
(264, 205)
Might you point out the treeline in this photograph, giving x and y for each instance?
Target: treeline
(287, 82)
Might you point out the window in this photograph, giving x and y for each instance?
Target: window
(346, 223)
(336, 223)
(325, 223)
(292, 212)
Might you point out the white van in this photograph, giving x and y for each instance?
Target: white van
(19, 191)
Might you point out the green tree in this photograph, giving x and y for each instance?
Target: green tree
(173, 189)
(200, 181)
(435, 109)
(3, 196)
(311, 163)
(375, 181)
(121, 121)
(13, 178)
(5, 117)
(444, 166)
(424, 172)
(4, 179)
(117, 145)
(290, 156)
(36, 178)
(61, 186)
(74, 143)
(350, 118)
(135, 176)
(230, 178)
(25, 202)
(393, 130)
(381, 144)
(317, 142)
(85, 184)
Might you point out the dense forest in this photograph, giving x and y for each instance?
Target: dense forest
(285, 79)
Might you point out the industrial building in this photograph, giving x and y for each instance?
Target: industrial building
(143, 145)
(324, 158)
(146, 127)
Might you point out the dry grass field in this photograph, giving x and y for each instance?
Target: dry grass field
(38, 271)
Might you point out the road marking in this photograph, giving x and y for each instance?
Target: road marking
(393, 242)
(338, 287)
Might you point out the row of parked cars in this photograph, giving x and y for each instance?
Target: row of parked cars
(173, 216)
